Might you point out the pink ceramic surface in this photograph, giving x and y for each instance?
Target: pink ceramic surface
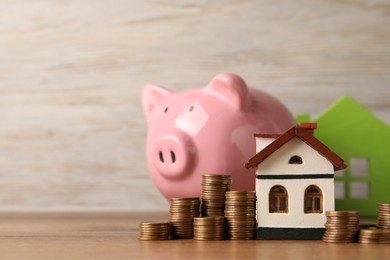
(207, 130)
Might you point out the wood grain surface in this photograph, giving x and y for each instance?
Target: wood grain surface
(72, 133)
(115, 236)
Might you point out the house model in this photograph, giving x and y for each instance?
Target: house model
(294, 183)
(363, 141)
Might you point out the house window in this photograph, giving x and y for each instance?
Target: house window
(295, 160)
(339, 190)
(313, 199)
(278, 200)
(358, 167)
(353, 183)
(359, 190)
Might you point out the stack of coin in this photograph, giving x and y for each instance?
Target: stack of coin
(209, 228)
(240, 214)
(182, 211)
(213, 194)
(154, 231)
(341, 226)
(384, 215)
(374, 236)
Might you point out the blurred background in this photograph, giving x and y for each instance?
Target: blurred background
(72, 133)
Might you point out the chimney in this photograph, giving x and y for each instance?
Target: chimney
(309, 127)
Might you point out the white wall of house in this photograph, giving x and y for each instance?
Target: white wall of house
(262, 142)
(277, 163)
(295, 218)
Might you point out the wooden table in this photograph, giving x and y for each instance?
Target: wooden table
(115, 236)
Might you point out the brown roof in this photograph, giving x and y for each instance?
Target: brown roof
(304, 132)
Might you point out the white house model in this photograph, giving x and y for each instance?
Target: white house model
(294, 183)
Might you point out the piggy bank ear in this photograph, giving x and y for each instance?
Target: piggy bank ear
(229, 88)
(151, 96)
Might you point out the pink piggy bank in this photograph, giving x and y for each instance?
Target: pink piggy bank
(207, 130)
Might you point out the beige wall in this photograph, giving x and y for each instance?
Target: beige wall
(72, 132)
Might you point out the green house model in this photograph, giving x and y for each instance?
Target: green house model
(363, 141)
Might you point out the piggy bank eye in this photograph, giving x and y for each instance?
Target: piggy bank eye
(166, 110)
(191, 108)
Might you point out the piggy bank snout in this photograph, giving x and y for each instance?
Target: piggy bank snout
(173, 156)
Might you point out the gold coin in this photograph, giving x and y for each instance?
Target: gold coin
(341, 213)
(150, 230)
(153, 224)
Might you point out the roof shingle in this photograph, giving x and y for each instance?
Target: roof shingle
(305, 133)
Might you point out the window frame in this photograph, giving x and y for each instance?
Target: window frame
(312, 197)
(295, 159)
(275, 200)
